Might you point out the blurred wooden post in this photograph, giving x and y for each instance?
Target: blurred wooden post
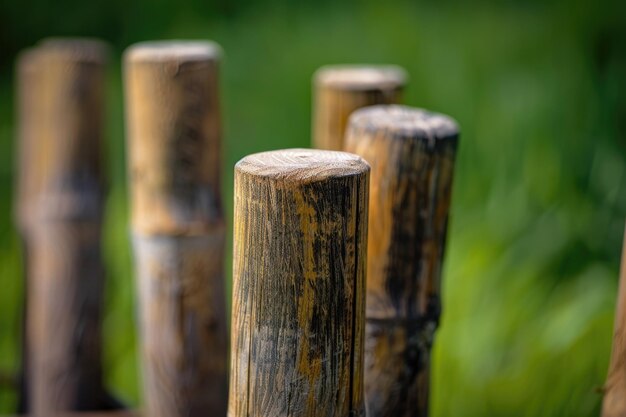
(614, 403)
(27, 85)
(174, 134)
(340, 89)
(412, 153)
(59, 213)
(299, 272)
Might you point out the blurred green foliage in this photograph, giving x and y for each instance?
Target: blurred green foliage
(539, 89)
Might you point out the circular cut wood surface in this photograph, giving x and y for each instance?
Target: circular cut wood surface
(160, 51)
(404, 121)
(302, 165)
(361, 77)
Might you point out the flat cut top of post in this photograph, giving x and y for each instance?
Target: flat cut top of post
(404, 121)
(175, 50)
(302, 165)
(361, 77)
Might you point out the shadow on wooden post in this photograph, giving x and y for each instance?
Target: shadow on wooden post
(174, 134)
(614, 403)
(339, 90)
(298, 284)
(411, 153)
(59, 215)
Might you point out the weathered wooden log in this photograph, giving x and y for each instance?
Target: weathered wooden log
(59, 213)
(614, 402)
(412, 153)
(341, 89)
(300, 240)
(174, 136)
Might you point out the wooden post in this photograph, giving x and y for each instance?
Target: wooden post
(614, 403)
(300, 241)
(60, 199)
(411, 152)
(174, 135)
(341, 89)
(27, 87)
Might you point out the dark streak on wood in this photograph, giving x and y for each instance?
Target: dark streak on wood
(412, 153)
(59, 215)
(174, 138)
(299, 270)
(614, 402)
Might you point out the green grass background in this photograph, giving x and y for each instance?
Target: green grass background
(539, 89)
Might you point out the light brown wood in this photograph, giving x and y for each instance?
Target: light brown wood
(59, 213)
(27, 86)
(300, 241)
(614, 402)
(174, 134)
(411, 152)
(340, 89)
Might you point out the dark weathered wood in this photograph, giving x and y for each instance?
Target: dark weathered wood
(173, 124)
(614, 403)
(341, 89)
(300, 241)
(59, 213)
(411, 152)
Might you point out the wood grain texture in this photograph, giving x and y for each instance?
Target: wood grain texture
(174, 135)
(411, 152)
(300, 241)
(614, 402)
(340, 89)
(59, 213)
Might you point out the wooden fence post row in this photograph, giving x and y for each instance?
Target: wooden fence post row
(174, 136)
(60, 191)
(304, 340)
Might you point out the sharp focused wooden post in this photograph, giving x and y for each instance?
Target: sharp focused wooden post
(59, 213)
(614, 403)
(299, 272)
(174, 134)
(411, 152)
(339, 90)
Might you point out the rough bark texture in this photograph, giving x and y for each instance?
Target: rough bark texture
(300, 241)
(614, 403)
(174, 135)
(59, 213)
(341, 89)
(411, 152)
